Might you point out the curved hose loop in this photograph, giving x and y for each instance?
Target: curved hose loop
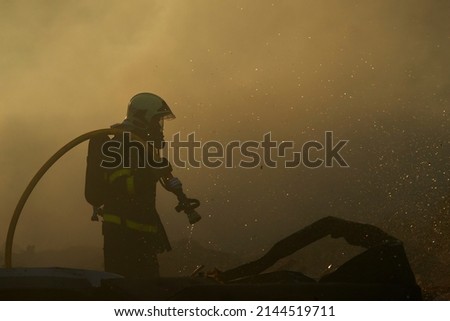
(23, 199)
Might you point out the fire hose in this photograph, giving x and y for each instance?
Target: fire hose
(40, 173)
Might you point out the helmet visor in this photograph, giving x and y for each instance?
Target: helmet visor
(167, 116)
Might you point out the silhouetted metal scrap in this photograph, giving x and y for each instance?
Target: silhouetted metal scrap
(354, 233)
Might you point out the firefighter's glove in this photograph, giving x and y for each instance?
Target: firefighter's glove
(174, 184)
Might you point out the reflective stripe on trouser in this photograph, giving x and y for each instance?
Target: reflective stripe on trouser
(115, 219)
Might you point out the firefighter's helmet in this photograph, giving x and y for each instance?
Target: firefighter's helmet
(146, 108)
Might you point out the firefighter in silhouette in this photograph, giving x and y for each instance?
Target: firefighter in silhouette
(123, 189)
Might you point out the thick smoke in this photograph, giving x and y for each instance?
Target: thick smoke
(375, 73)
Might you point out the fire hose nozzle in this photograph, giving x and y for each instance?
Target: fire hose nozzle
(188, 206)
(193, 216)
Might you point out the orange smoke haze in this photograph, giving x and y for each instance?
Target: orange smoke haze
(374, 72)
